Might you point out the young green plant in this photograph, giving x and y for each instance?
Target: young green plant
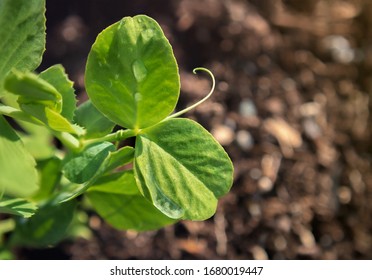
(175, 171)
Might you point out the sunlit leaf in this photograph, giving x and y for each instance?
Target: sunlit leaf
(50, 118)
(56, 76)
(31, 89)
(131, 73)
(182, 169)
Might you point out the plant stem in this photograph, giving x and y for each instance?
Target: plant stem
(116, 136)
(68, 140)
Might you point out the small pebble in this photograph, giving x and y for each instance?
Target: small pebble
(247, 108)
(311, 128)
(265, 184)
(245, 140)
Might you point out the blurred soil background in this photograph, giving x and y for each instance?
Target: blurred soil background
(291, 108)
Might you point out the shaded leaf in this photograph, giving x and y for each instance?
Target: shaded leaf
(125, 207)
(80, 168)
(47, 227)
(50, 174)
(17, 206)
(17, 167)
(111, 162)
(131, 73)
(182, 169)
(96, 124)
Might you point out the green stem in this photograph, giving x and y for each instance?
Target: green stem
(199, 102)
(68, 140)
(116, 136)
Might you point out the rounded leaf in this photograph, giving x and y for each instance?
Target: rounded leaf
(182, 169)
(131, 73)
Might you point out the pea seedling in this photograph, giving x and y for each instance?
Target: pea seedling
(177, 171)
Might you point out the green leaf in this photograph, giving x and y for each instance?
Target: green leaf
(119, 183)
(182, 169)
(50, 174)
(56, 76)
(49, 97)
(111, 162)
(116, 159)
(125, 207)
(17, 206)
(131, 73)
(82, 167)
(38, 140)
(22, 35)
(32, 89)
(50, 118)
(96, 124)
(17, 167)
(47, 227)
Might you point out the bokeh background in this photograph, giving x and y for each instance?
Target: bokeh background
(292, 109)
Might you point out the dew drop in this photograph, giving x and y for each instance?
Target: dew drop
(139, 70)
(146, 35)
(137, 96)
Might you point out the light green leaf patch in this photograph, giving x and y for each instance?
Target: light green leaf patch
(116, 159)
(182, 169)
(18, 176)
(117, 200)
(131, 73)
(38, 140)
(57, 77)
(17, 206)
(22, 35)
(50, 118)
(32, 89)
(41, 99)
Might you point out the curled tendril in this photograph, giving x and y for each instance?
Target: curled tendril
(201, 101)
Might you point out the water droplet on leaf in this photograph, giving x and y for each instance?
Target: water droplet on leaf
(137, 96)
(146, 35)
(139, 70)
